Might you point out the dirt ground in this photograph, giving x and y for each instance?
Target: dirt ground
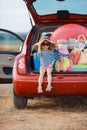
(59, 113)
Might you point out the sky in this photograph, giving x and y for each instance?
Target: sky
(14, 16)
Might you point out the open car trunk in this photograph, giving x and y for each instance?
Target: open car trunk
(70, 34)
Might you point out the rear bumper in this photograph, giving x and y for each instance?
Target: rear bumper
(26, 85)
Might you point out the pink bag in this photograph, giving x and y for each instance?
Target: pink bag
(74, 56)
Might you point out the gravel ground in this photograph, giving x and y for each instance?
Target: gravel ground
(59, 113)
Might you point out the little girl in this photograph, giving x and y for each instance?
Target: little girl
(45, 49)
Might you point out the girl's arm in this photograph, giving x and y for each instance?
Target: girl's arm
(39, 46)
(52, 63)
(39, 49)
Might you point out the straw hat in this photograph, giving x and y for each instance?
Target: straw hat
(45, 38)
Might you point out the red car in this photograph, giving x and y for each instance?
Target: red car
(63, 20)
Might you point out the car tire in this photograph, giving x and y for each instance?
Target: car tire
(19, 102)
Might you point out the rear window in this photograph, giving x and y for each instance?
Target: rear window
(52, 6)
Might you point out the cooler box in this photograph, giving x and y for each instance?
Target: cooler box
(36, 61)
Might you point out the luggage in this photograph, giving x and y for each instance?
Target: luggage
(36, 61)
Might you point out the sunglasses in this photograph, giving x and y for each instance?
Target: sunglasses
(45, 44)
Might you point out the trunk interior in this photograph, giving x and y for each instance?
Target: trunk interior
(47, 30)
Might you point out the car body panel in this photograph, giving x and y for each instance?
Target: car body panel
(62, 85)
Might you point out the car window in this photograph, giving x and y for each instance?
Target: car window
(52, 6)
(9, 42)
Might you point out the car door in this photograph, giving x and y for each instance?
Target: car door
(10, 47)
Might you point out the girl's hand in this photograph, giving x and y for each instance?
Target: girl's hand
(40, 42)
(52, 63)
(50, 66)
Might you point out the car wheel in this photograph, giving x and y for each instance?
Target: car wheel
(19, 102)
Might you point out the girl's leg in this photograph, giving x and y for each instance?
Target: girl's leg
(40, 79)
(49, 78)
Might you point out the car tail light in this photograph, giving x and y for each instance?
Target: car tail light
(21, 66)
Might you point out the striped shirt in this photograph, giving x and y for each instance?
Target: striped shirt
(46, 57)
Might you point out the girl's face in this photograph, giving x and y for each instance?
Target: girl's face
(45, 45)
